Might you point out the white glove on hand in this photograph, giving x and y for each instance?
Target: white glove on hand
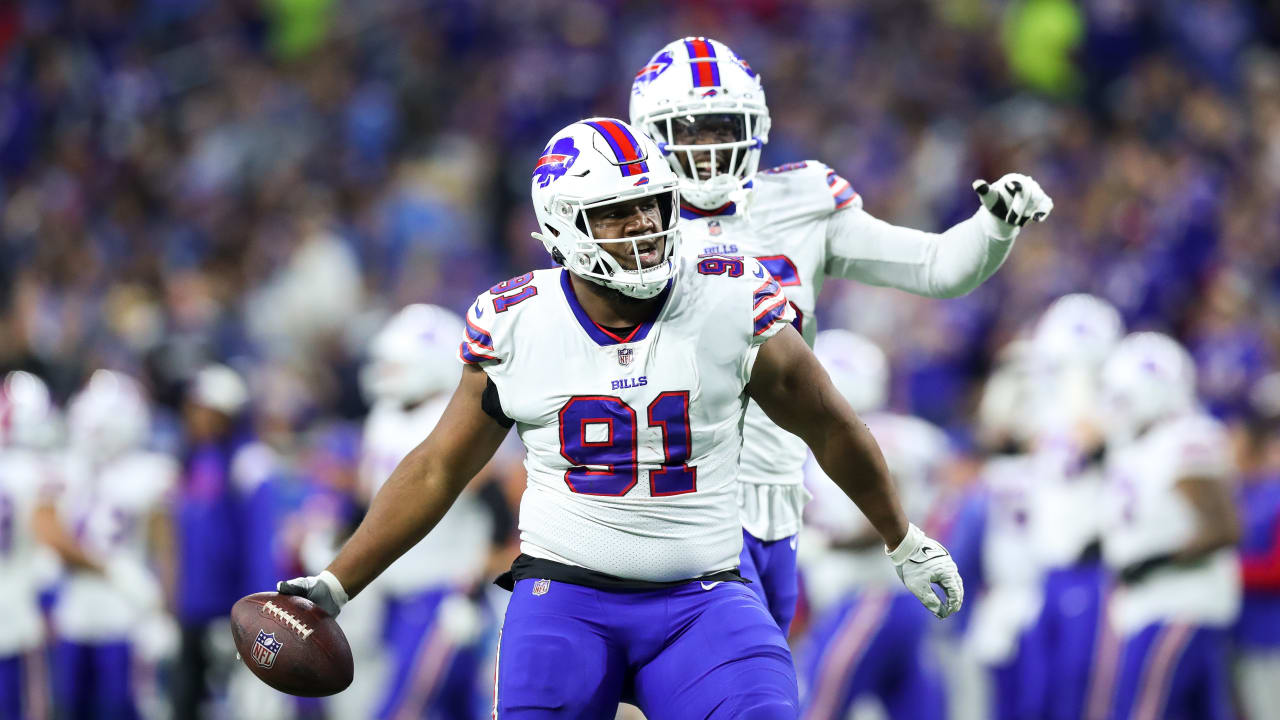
(323, 590)
(920, 562)
(1013, 200)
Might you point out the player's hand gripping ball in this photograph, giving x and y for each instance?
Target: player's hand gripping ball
(291, 644)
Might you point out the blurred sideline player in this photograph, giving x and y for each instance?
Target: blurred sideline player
(1168, 535)
(869, 638)
(627, 374)
(1000, 635)
(1070, 342)
(706, 109)
(112, 511)
(431, 627)
(27, 428)
(1257, 632)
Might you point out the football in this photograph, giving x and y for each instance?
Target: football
(291, 644)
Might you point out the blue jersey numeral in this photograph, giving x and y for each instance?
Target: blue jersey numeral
(601, 431)
(500, 304)
(721, 265)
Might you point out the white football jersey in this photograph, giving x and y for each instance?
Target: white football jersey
(632, 442)
(108, 510)
(914, 451)
(454, 552)
(1147, 516)
(25, 477)
(805, 222)
(1065, 499)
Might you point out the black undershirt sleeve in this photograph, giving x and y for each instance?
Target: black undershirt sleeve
(492, 405)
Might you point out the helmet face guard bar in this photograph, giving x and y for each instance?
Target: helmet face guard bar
(590, 260)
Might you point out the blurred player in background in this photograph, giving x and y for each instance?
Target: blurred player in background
(212, 559)
(630, 360)
(1067, 349)
(431, 627)
(113, 510)
(28, 428)
(1168, 534)
(1257, 632)
(868, 641)
(706, 108)
(1000, 634)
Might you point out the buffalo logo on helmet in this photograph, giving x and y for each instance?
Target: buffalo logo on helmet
(265, 649)
(743, 64)
(556, 160)
(655, 67)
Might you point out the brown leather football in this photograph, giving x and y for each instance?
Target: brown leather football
(291, 644)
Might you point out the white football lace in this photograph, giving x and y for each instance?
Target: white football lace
(285, 618)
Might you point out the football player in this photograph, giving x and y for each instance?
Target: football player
(705, 107)
(627, 374)
(430, 624)
(28, 425)
(1168, 534)
(1070, 342)
(112, 508)
(868, 641)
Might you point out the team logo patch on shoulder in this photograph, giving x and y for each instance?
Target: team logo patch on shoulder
(266, 648)
(542, 587)
(556, 160)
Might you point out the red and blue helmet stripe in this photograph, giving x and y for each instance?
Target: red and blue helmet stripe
(626, 149)
(705, 74)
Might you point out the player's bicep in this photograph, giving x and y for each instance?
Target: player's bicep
(792, 387)
(1213, 505)
(466, 436)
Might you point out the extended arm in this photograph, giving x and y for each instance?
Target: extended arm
(1217, 526)
(794, 390)
(419, 492)
(938, 265)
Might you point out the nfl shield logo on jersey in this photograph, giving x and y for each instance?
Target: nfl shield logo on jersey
(625, 356)
(266, 648)
(541, 587)
(713, 227)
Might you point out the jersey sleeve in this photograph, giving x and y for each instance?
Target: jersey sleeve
(478, 347)
(770, 310)
(1200, 448)
(813, 189)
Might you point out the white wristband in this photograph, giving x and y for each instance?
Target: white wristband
(910, 543)
(336, 590)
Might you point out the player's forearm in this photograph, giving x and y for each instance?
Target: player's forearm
(49, 530)
(849, 455)
(938, 265)
(1217, 525)
(415, 497)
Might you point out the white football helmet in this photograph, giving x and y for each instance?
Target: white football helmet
(690, 87)
(858, 368)
(1007, 408)
(1147, 378)
(109, 416)
(593, 163)
(414, 356)
(1077, 328)
(28, 417)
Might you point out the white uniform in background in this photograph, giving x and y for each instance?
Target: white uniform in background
(25, 482)
(109, 508)
(1145, 516)
(671, 395)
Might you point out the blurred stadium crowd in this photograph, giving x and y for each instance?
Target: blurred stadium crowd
(262, 185)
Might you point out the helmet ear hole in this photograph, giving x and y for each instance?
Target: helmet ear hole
(554, 232)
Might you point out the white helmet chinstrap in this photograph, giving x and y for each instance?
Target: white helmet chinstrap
(1149, 377)
(414, 356)
(858, 368)
(589, 165)
(705, 106)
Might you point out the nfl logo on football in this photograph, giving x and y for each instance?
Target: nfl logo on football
(266, 648)
(625, 356)
(541, 587)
